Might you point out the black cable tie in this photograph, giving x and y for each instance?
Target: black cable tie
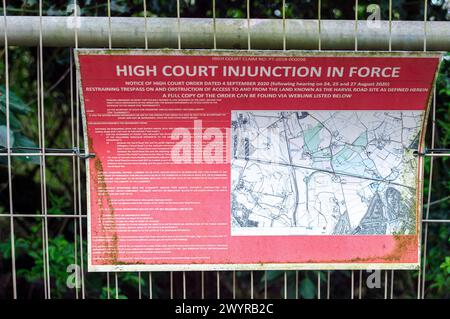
(83, 155)
(416, 153)
(429, 151)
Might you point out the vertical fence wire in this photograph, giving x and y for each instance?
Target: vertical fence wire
(251, 285)
(171, 284)
(9, 168)
(360, 285)
(108, 292)
(352, 290)
(38, 103)
(318, 285)
(179, 48)
(140, 286)
(214, 29)
(108, 8)
(78, 162)
(422, 280)
(150, 286)
(218, 284)
(74, 194)
(385, 284)
(202, 280)
(72, 138)
(390, 49)
(234, 284)
(425, 19)
(109, 24)
(38, 89)
(249, 47)
(43, 156)
(72, 142)
(144, 5)
(390, 25)
(184, 285)
(265, 284)
(356, 25)
(328, 283)
(392, 285)
(419, 276)
(283, 15)
(355, 49)
(214, 24)
(427, 213)
(319, 31)
(178, 25)
(319, 25)
(283, 10)
(116, 283)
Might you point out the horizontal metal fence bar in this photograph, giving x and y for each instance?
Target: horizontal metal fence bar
(429, 221)
(129, 32)
(437, 155)
(43, 215)
(38, 154)
(84, 216)
(33, 151)
(84, 156)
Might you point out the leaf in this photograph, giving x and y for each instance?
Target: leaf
(307, 289)
(446, 265)
(5, 249)
(235, 13)
(22, 141)
(4, 137)
(16, 104)
(14, 123)
(119, 8)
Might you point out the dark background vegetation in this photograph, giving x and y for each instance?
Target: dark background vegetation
(26, 177)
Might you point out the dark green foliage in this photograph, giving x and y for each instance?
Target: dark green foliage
(17, 108)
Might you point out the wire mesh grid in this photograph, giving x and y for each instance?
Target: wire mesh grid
(234, 284)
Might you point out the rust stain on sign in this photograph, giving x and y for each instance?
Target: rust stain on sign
(106, 218)
(403, 245)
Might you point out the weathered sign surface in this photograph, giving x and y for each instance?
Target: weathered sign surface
(215, 160)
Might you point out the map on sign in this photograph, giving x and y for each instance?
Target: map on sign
(324, 172)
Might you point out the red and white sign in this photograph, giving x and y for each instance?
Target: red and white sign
(211, 160)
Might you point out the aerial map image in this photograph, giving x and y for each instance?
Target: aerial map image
(324, 172)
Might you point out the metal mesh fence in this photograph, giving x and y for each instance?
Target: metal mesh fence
(37, 246)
